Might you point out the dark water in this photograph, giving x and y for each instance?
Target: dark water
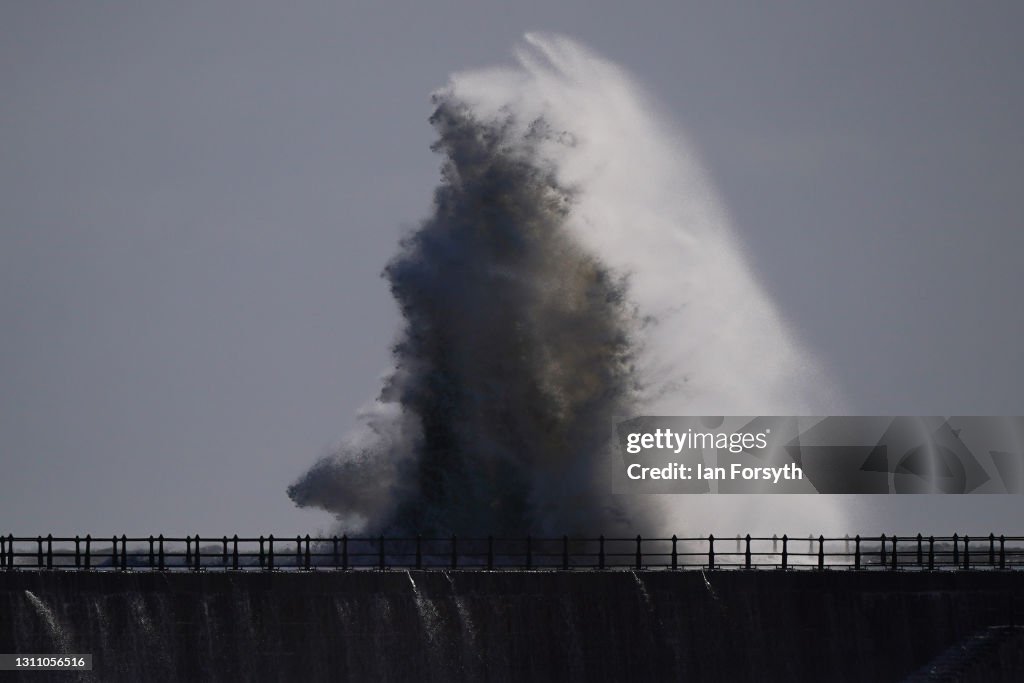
(515, 355)
(514, 626)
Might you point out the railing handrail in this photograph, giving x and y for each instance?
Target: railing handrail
(501, 553)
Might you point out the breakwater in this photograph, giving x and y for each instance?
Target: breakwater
(836, 625)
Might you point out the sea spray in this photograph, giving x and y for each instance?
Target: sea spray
(643, 592)
(57, 633)
(577, 267)
(472, 655)
(430, 618)
(434, 628)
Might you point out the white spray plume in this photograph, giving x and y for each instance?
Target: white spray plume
(578, 267)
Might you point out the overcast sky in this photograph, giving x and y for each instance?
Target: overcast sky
(197, 199)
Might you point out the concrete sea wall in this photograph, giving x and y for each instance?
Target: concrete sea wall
(764, 625)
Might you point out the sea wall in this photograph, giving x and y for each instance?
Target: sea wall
(763, 625)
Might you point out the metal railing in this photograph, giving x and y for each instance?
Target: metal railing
(303, 553)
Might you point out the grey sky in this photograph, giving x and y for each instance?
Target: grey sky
(196, 202)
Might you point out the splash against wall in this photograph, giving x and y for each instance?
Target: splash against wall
(577, 267)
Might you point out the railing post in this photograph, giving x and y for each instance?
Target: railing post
(600, 552)
(675, 552)
(856, 552)
(920, 551)
(931, 553)
(821, 551)
(124, 553)
(639, 554)
(78, 554)
(88, 551)
(298, 551)
(334, 553)
(529, 552)
(1002, 551)
(161, 557)
(234, 551)
(270, 552)
(746, 554)
(956, 551)
(113, 552)
(199, 562)
(344, 551)
(565, 552)
(992, 550)
(188, 552)
(263, 555)
(49, 551)
(39, 552)
(711, 551)
(224, 552)
(151, 560)
(785, 550)
(380, 552)
(895, 555)
(881, 556)
(455, 552)
(308, 557)
(967, 552)
(490, 553)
